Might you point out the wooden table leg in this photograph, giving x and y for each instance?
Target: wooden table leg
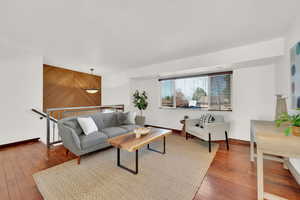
(261, 195)
(260, 175)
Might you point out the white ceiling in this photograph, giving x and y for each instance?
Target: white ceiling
(123, 34)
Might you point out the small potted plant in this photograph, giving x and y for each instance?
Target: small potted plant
(292, 120)
(140, 102)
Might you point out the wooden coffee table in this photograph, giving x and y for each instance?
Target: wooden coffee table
(130, 143)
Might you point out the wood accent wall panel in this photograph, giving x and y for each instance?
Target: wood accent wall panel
(65, 88)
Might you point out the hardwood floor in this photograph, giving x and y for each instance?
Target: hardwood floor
(231, 175)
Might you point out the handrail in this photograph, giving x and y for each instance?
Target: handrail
(120, 106)
(43, 115)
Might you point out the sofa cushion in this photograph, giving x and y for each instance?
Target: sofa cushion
(114, 131)
(98, 119)
(73, 124)
(130, 127)
(92, 139)
(110, 119)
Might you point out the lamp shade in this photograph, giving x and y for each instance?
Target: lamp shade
(92, 90)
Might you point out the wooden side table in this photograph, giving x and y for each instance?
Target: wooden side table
(272, 140)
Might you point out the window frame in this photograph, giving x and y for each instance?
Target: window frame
(173, 79)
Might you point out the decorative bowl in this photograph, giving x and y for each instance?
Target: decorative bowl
(141, 131)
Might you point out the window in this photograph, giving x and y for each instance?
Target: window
(210, 91)
(167, 95)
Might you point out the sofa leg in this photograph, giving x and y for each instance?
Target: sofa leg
(209, 142)
(227, 142)
(78, 160)
(67, 152)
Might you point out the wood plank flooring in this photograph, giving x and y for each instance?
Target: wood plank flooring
(231, 176)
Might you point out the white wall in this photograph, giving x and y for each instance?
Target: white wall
(283, 65)
(116, 90)
(253, 84)
(243, 56)
(283, 76)
(21, 85)
(116, 85)
(253, 98)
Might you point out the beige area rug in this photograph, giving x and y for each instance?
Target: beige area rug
(176, 175)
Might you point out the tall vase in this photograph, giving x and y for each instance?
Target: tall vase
(140, 120)
(281, 106)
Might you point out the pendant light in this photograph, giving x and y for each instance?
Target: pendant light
(92, 90)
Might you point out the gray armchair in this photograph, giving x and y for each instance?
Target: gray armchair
(208, 131)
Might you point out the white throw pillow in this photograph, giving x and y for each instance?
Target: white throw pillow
(87, 124)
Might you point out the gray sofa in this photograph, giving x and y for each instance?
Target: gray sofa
(109, 125)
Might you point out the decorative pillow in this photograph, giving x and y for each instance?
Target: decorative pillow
(201, 121)
(208, 118)
(126, 118)
(204, 119)
(211, 118)
(88, 125)
(122, 117)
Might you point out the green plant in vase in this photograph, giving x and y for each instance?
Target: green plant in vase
(140, 101)
(292, 120)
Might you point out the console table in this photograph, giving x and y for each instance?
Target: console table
(272, 140)
(253, 125)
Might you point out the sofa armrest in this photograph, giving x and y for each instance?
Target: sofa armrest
(191, 122)
(69, 137)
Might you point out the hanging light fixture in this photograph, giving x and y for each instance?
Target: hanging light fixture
(92, 90)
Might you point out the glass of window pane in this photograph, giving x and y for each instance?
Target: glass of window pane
(191, 92)
(167, 93)
(220, 92)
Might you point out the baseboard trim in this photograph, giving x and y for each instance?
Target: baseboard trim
(19, 142)
(240, 142)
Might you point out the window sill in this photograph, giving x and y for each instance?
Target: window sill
(195, 109)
